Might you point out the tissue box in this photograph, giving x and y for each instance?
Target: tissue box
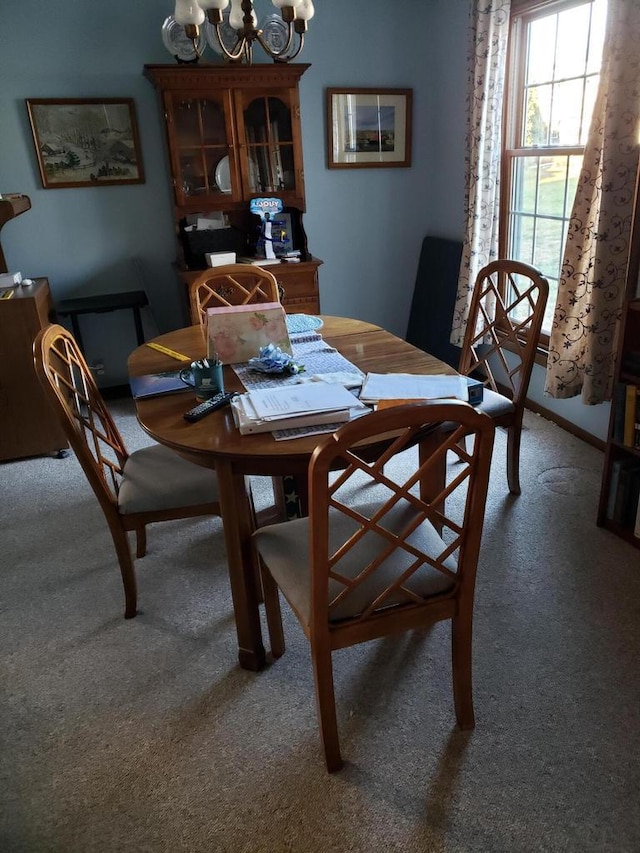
(9, 279)
(197, 244)
(219, 259)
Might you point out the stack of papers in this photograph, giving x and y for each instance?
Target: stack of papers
(408, 386)
(294, 406)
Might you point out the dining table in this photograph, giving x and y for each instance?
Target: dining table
(215, 442)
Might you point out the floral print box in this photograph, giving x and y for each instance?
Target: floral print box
(238, 332)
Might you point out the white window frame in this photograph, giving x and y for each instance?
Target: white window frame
(523, 13)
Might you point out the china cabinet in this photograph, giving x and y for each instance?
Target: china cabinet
(233, 134)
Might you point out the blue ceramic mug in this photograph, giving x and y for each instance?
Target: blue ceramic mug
(205, 377)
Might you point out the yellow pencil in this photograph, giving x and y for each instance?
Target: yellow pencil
(177, 355)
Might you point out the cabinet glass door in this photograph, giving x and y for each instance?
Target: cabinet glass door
(202, 166)
(270, 146)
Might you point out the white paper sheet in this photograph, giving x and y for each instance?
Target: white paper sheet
(409, 386)
(270, 403)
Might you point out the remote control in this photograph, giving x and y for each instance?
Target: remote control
(208, 406)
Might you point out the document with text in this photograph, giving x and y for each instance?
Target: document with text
(409, 386)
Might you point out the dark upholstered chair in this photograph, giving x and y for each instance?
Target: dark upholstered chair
(500, 346)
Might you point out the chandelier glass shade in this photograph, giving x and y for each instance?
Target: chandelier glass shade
(234, 34)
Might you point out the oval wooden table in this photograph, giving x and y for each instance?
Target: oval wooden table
(214, 442)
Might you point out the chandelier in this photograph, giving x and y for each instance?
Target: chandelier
(234, 35)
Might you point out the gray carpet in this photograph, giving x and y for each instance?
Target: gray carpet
(145, 735)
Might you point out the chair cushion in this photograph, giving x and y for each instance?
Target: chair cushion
(285, 550)
(156, 478)
(495, 404)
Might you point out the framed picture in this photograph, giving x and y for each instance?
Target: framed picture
(85, 142)
(368, 127)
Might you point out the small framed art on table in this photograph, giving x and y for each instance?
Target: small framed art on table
(368, 128)
(85, 142)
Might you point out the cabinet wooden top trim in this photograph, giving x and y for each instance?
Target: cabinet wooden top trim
(12, 207)
(224, 76)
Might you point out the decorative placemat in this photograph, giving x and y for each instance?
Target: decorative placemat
(297, 323)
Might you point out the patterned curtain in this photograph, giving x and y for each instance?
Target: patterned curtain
(591, 290)
(487, 67)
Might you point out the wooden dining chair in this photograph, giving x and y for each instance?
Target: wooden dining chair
(500, 344)
(354, 571)
(231, 284)
(236, 284)
(133, 489)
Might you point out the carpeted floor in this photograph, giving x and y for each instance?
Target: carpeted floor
(145, 735)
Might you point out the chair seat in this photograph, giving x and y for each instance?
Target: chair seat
(285, 549)
(494, 404)
(156, 478)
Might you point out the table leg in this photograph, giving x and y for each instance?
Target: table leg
(241, 558)
(432, 485)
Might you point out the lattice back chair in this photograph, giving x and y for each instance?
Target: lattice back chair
(232, 284)
(501, 351)
(149, 485)
(369, 561)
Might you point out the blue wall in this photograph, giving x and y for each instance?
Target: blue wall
(367, 225)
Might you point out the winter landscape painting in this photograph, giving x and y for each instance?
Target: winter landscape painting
(86, 142)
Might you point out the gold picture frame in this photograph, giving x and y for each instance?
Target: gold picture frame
(369, 128)
(86, 142)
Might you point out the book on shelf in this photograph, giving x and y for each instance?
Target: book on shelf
(624, 491)
(154, 384)
(630, 508)
(630, 415)
(619, 403)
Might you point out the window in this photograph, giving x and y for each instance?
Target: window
(555, 58)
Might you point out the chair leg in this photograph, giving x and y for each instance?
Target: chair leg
(141, 541)
(273, 612)
(127, 571)
(461, 633)
(513, 458)
(326, 708)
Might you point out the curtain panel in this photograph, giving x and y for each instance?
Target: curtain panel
(591, 291)
(488, 37)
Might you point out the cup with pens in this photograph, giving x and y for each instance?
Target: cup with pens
(205, 377)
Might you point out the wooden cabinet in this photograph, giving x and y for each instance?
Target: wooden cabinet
(28, 425)
(620, 492)
(233, 133)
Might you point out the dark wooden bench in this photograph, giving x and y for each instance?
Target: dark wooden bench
(100, 304)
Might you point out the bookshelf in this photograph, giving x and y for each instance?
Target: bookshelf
(618, 509)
